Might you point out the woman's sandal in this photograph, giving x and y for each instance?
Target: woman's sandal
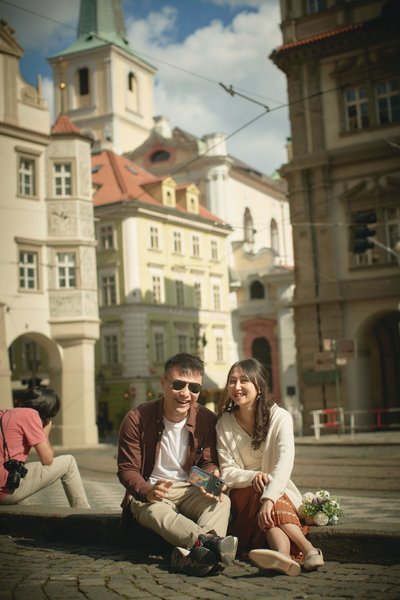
(270, 559)
(313, 559)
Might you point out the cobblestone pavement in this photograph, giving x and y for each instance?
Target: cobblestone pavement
(33, 570)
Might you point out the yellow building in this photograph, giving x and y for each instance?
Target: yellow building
(163, 283)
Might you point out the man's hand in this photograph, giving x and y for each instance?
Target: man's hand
(158, 491)
(220, 498)
(260, 480)
(264, 515)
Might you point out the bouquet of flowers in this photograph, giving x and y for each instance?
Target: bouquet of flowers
(320, 508)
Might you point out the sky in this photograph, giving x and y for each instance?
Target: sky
(195, 46)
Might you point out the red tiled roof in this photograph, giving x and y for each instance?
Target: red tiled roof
(319, 36)
(64, 125)
(119, 179)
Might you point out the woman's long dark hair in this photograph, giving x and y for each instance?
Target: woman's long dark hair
(257, 374)
(43, 399)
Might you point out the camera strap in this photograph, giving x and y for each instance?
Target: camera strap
(5, 447)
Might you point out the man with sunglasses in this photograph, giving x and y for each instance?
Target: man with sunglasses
(159, 442)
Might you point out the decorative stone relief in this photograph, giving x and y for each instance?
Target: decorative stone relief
(66, 303)
(62, 219)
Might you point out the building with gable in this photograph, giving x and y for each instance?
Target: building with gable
(49, 314)
(163, 283)
(342, 68)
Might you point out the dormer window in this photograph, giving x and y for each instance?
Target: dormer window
(159, 156)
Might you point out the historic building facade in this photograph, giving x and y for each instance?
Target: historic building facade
(342, 68)
(49, 314)
(163, 283)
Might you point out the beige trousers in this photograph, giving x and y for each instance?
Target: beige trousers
(40, 476)
(183, 515)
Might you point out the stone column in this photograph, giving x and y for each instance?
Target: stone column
(78, 410)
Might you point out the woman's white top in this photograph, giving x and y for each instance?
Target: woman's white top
(239, 463)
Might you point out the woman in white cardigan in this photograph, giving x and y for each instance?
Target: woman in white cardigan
(256, 454)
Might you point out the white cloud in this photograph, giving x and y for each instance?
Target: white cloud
(235, 54)
(48, 94)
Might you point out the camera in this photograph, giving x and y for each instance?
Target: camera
(209, 483)
(16, 469)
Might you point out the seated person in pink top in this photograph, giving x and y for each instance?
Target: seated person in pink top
(29, 426)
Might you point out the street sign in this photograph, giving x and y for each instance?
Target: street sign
(346, 348)
(324, 361)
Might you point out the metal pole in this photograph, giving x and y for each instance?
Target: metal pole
(337, 387)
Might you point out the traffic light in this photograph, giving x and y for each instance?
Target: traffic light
(361, 232)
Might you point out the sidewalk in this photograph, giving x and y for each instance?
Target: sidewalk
(368, 533)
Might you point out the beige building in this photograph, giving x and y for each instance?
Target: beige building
(341, 60)
(49, 314)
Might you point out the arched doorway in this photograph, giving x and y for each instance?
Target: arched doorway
(261, 350)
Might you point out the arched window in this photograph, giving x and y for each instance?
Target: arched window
(83, 75)
(261, 350)
(257, 290)
(131, 81)
(274, 236)
(159, 156)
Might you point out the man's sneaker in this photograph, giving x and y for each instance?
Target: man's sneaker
(197, 562)
(224, 548)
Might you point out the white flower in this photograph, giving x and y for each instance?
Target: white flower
(321, 518)
(308, 497)
(322, 494)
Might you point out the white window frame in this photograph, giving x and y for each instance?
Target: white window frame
(159, 345)
(214, 250)
(387, 95)
(27, 184)
(219, 347)
(360, 100)
(177, 242)
(28, 271)
(197, 294)
(111, 347)
(157, 286)
(180, 292)
(107, 236)
(66, 260)
(108, 287)
(216, 295)
(196, 246)
(154, 238)
(182, 342)
(63, 179)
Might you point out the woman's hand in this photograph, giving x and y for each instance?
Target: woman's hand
(47, 425)
(265, 520)
(260, 480)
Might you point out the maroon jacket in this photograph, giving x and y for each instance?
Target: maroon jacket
(139, 444)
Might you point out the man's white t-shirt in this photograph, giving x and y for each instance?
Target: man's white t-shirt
(173, 452)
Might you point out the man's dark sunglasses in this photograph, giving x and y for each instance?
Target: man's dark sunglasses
(179, 384)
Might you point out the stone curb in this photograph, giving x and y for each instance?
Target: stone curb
(369, 543)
